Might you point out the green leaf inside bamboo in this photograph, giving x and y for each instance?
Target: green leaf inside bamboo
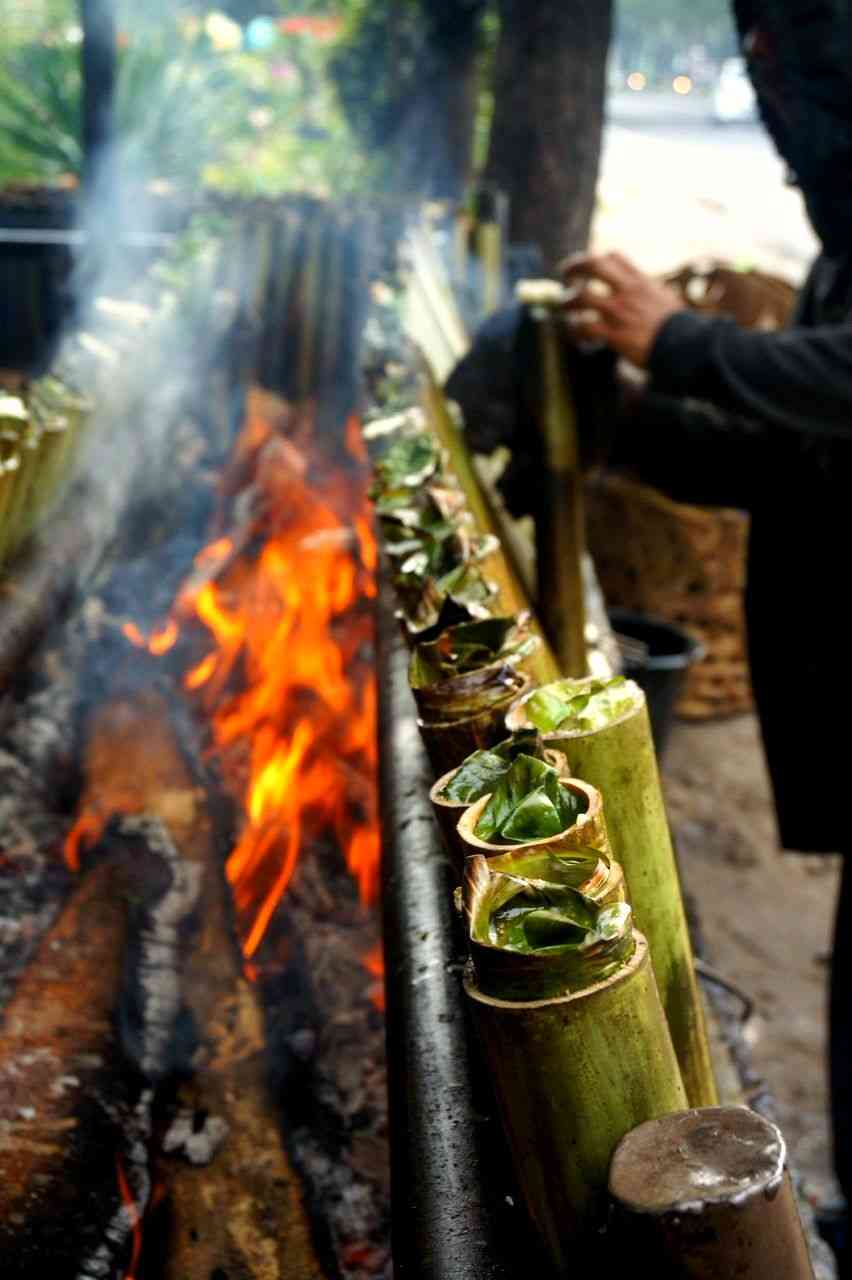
(409, 462)
(529, 803)
(478, 775)
(580, 706)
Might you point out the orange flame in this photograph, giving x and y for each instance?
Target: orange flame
(134, 1216)
(160, 641)
(86, 832)
(289, 685)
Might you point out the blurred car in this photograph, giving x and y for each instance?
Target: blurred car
(733, 97)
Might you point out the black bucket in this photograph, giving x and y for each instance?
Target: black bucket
(667, 652)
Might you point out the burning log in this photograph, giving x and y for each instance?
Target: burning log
(239, 1208)
(66, 1112)
(603, 730)
(706, 1193)
(559, 985)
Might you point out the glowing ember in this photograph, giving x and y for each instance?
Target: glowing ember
(374, 963)
(160, 641)
(85, 833)
(133, 1216)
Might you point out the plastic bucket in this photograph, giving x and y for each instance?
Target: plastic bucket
(660, 672)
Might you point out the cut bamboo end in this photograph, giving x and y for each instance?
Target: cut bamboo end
(449, 742)
(569, 1090)
(704, 1195)
(588, 832)
(447, 814)
(619, 759)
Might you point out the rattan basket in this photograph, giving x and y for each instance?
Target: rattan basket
(682, 564)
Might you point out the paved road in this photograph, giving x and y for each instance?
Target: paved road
(676, 186)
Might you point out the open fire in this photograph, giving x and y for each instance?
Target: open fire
(289, 686)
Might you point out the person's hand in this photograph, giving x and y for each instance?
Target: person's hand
(618, 304)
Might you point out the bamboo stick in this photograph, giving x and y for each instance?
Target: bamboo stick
(569, 1090)
(560, 519)
(619, 760)
(497, 567)
(702, 1195)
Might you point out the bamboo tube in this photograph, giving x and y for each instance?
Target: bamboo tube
(448, 811)
(588, 832)
(450, 740)
(619, 760)
(241, 1214)
(573, 1073)
(497, 567)
(312, 310)
(705, 1195)
(560, 520)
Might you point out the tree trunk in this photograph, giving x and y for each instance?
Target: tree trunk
(99, 71)
(546, 135)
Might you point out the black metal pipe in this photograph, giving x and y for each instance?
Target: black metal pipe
(455, 1213)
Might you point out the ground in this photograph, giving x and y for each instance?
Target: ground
(766, 918)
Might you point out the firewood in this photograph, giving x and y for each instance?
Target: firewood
(67, 1111)
(241, 1213)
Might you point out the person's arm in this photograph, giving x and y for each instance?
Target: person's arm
(800, 379)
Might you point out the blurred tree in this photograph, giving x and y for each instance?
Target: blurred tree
(548, 116)
(98, 65)
(406, 74)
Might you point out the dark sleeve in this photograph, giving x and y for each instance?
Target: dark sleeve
(799, 379)
(690, 450)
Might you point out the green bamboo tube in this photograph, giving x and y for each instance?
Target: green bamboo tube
(449, 738)
(448, 812)
(560, 519)
(497, 567)
(24, 490)
(619, 760)
(588, 832)
(311, 307)
(573, 1073)
(489, 241)
(703, 1195)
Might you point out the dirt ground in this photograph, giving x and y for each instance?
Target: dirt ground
(766, 918)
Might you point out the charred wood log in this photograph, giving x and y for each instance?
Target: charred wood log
(235, 1203)
(69, 1112)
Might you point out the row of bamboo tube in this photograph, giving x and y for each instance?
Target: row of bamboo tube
(576, 1069)
(40, 429)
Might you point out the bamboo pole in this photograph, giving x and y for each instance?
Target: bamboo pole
(704, 1195)
(569, 1089)
(619, 760)
(449, 739)
(497, 567)
(560, 519)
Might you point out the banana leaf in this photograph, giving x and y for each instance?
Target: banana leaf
(469, 648)
(580, 706)
(478, 775)
(409, 462)
(534, 936)
(529, 803)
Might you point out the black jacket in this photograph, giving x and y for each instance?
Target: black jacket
(764, 422)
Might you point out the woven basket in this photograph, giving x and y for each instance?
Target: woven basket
(682, 564)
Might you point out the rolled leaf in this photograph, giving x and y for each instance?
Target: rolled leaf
(529, 803)
(478, 775)
(581, 706)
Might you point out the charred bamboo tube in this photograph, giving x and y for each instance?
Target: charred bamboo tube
(449, 737)
(572, 1073)
(241, 1214)
(619, 759)
(498, 567)
(560, 519)
(704, 1195)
